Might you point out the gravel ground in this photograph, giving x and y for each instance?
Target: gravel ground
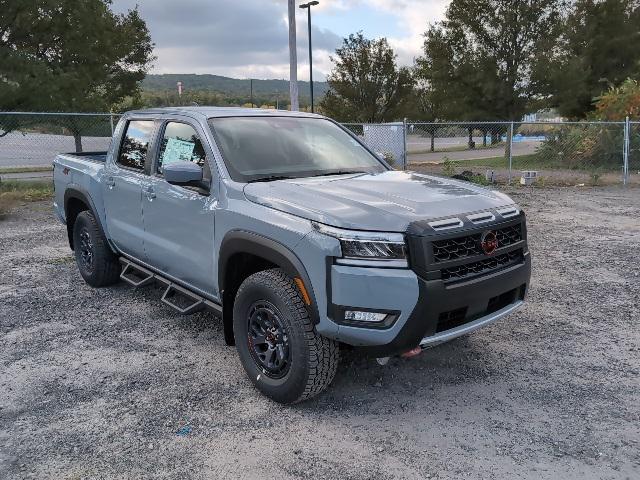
(111, 384)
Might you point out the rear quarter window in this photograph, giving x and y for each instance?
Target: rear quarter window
(135, 144)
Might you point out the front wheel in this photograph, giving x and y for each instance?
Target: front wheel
(285, 358)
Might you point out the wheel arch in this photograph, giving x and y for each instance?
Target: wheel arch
(256, 253)
(76, 200)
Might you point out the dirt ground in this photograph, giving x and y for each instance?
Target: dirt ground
(110, 383)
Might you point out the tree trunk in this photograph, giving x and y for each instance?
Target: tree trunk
(433, 140)
(472, 145)
(484, 138)
(78, 139)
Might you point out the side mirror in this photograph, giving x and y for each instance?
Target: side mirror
(183, 173)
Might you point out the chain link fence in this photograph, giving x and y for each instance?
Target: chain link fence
(34, 139)
(634, 152)
(386, 139)
(558, 153)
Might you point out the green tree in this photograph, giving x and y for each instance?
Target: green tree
(598, 49)
(477, 63)
(366, 84)
(70, 55)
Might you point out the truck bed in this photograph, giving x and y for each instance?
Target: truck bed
(99, 157)
(84, 171)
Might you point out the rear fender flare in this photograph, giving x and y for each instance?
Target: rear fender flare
(78, 193)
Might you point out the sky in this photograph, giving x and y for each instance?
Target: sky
(249, 38)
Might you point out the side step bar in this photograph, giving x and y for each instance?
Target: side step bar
(135, 275)
(177, 297)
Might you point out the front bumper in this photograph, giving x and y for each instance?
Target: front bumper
(456, 332)
(431, 311)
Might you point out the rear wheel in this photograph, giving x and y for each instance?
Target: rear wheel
(285, 358)
(97, 263)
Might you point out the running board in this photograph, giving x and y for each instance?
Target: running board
(179, 298)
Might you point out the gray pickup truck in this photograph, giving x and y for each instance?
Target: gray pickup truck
(302, 239)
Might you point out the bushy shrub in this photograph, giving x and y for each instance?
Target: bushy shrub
(582, 147)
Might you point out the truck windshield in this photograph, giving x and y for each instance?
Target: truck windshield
(272, 148)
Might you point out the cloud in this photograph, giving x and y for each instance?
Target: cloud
(249, 38)
(414, 16)
(246, 38)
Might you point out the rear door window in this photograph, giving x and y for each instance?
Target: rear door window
(135, 144)
(180, 143)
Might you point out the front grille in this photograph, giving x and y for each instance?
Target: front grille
(469, 245)
(474, 269)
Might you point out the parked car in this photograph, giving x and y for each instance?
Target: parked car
(297, 235)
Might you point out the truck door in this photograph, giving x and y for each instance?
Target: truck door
(123, 188)
(179, 221)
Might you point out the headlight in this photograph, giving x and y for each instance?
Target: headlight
(370, 248)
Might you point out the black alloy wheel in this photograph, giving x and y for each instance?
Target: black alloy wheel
(268, 339)
(86, 249)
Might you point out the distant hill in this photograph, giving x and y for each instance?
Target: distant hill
(229, 86)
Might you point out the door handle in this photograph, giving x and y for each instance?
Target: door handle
(150, 193)
(110, 182)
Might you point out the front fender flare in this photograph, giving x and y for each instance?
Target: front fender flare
(241, 241)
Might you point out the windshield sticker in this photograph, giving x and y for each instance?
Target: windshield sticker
(177, 151)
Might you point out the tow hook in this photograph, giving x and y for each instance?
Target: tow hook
(412, 353)
(408, 354)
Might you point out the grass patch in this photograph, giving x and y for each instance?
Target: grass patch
(522, 161)
(24, 169)
(14, 192)
(528, 162)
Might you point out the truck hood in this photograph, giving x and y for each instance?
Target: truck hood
(387, 201)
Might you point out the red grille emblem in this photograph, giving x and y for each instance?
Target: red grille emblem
(489, 242)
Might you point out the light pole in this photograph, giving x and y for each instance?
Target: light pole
(293, 57)
(308, 7)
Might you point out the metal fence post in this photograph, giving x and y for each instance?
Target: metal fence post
(510, 146)
(404, 139)
(625, 151)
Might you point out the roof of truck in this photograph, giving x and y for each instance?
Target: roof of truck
(225, 112)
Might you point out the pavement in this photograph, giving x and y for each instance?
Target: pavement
(26, 176)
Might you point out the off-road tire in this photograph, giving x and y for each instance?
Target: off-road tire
(104, 269)
(313, 358)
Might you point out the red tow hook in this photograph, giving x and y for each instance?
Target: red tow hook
(411, 353)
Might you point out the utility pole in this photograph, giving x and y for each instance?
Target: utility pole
(293, 58)
(251, 88)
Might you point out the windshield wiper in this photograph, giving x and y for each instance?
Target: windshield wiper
(339, 172)
(270, 178)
